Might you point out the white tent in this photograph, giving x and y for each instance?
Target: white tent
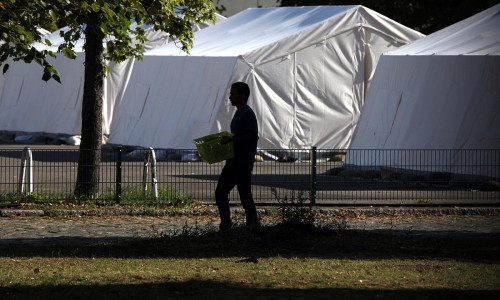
(308, 69)
(440, 92)
(44, 33)
(28, 104)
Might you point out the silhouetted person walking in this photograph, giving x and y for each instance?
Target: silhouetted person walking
(238, 170)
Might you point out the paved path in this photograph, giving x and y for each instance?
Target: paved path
(26, 230)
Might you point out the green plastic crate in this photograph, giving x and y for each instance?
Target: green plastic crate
(211, 150)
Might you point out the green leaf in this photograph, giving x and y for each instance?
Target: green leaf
(69, 53)
(50, 69)
(48, 42)
(108, 12)
(107, 69)
(46, 76)
(95, 7)
(53, 15)
(29, 36)
(5, 68)
(28, 58)
(56, 78)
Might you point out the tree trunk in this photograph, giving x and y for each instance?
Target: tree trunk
(87, 181)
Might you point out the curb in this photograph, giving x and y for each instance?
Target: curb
(432, 211)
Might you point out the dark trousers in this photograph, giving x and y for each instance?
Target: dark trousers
(240, 176)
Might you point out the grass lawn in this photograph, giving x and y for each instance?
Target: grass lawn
(279, 261)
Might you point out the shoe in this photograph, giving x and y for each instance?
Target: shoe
(253, 223)
(225, 227)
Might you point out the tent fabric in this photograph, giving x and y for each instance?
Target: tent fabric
(43, 32)
(440, 92)
(28, 104)
(477, 35)
(308, 69)
(153, 113)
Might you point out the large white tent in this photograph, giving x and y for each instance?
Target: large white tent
(440, 92)
(28, 104)
(308, 69)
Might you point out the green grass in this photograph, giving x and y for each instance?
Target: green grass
(296, 255)
(131, 197)
(280, 261)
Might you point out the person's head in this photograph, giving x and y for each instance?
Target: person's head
(239, 94)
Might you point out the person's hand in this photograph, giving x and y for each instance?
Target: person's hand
(226, 139)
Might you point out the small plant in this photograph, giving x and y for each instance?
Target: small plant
(34, 197)
(424, 201)
(171, 197)
(294, 211)
(337, 225)
(341, 225)
(10, 197)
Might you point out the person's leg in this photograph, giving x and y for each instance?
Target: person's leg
(225, 184)
(244, 184)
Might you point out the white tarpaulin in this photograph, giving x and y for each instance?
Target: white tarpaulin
(308, 69)
(28, 104)
(440, 92)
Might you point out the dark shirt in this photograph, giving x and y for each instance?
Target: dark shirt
(245, 129)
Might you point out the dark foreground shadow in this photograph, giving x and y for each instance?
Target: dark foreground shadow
(199, 289)
(270, 241)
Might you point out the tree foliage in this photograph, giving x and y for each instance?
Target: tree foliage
(21, 19)
(425, 16)
(109, 36)
(219, 7)
(19, 28)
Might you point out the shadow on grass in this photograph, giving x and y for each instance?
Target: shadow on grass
(269, 241)
(198, 289)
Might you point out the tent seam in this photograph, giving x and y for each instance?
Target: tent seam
(356, 26)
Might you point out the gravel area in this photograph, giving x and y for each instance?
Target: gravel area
(18, 229)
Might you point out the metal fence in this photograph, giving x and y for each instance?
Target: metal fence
(319, 176)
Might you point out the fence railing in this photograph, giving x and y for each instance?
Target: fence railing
(320, 176)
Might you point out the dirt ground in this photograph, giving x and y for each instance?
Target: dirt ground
(77, 228)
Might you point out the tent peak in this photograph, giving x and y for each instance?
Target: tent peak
(476, 35)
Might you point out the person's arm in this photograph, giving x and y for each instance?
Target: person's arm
(245, 137)
(226, 139)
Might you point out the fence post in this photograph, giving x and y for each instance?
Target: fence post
(154, 181)
(145, 171)
(313, 176)
(26, 161)
(150, 160)
(118, 187)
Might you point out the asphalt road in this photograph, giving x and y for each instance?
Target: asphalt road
(55, 171)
